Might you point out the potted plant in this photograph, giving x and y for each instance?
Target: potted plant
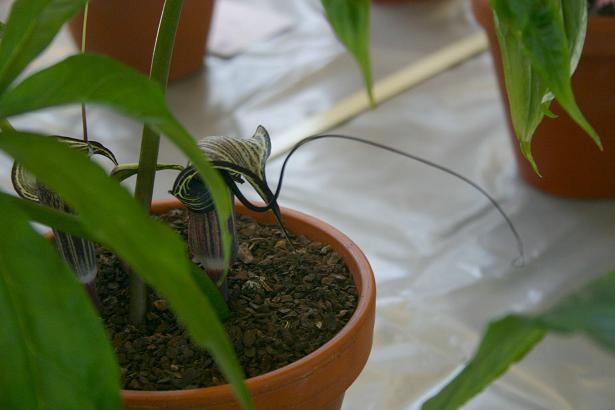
(569, 163)
(126, 30)
(535, 72)
(52, 338)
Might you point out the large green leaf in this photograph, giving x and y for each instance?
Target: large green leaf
(524, 88)
(53, 347)
(31, 26)
(505, 342)
(48, 216)
(350, 21)
(88, 78)
(575, 23)
(116, 220)
(590, 310)
(540, 43)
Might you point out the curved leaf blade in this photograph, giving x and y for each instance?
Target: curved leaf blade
(574, 13)
(506, 341)
(524, 89)
(590, 310)
(47, 216)
(118, 222)
(541, 44)
(350, 21)
(51, 340)
(548, 49)
(31, 26)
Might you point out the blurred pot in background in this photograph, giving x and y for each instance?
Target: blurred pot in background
(126, 30)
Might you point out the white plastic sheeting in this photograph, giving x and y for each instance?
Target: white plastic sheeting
(442, 256)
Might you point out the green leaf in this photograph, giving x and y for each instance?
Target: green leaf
(2, 28)
(540, 44)
(524, 88)
(350, 21)
(31, 26)
(506, 341)
(574, 13)
(209, 288)
(47, 216)
(548, 48)
(87, 78)
(124, 171)
(114, 219)
(590, 310)
(53, 348)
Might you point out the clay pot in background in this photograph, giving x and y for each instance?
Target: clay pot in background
(399, 1)
(126, 30)
(319, 380)
(569, 161)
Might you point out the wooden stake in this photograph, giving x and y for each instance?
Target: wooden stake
(384, 89)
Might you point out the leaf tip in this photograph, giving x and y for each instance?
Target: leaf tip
(526, 150)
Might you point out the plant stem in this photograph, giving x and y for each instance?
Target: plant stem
(150, 141)
(84, 119)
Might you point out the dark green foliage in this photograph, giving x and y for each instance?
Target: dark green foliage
(53, 348)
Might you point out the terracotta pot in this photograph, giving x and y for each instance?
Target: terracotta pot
(569, 161)
(399, 1)
(317, 381)
(126, 30)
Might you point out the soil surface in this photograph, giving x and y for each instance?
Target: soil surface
(284, 306)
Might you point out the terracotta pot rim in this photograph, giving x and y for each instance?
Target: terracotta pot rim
(301, 368)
